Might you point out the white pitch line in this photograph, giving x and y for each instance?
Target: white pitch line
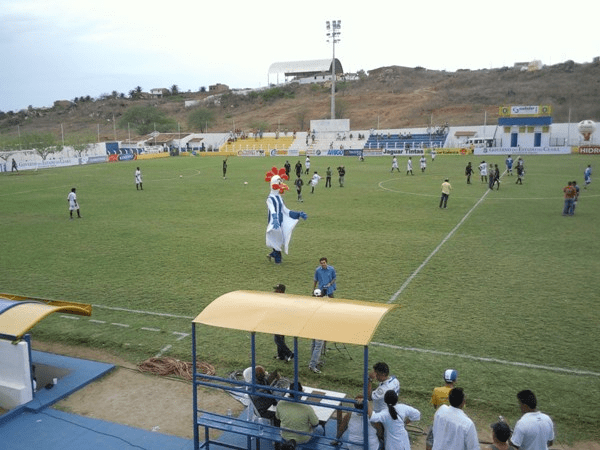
(135, 311)
(69, 317)
(97, 321)
(150, 329)
(124, 325)
(492, 360)
(437, 249)
(181, 335)
(162, 351)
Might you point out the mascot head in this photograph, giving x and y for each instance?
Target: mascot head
(275, 178)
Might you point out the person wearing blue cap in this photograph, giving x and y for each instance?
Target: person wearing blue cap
(440, 397)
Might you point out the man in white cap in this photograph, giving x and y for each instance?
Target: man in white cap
(440, 397)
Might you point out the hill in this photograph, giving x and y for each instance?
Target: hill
(388, 97)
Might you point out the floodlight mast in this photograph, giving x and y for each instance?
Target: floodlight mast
(333, 35)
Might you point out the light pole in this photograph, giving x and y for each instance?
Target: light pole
(333, 35)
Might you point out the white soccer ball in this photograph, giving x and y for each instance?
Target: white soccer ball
(180, 176)
(317, 293)
(245, 182)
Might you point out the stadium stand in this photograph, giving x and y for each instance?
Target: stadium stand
(405, 140)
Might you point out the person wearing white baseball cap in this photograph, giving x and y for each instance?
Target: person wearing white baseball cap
(440, 397)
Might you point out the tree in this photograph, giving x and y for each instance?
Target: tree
(135, 93)
(81, 144)
(42, 143)
(174, 89)
(201, 119)
(146, 119)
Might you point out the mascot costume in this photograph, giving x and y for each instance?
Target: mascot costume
(281, 220)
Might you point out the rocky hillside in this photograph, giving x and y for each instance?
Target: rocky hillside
(388, 97)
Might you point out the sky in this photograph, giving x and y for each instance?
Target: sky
(62, 49)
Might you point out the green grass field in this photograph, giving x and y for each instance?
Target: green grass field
(500, 286)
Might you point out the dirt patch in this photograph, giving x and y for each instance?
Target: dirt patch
(130, 397)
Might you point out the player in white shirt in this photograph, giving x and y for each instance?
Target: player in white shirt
(381, 373)
(73, 205)
(423, 162)
(314, 181)
(138, 179)
(483, 171)
(409, 166)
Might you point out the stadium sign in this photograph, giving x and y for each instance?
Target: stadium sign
(519, 111)
(522, 150)
(589, 150)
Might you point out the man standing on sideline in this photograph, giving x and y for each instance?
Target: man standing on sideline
(73, 205)
(440, 397)
(14, 166)
(138, 179)
(325, 278)
(446, 188)
(283, 351)
(534, 430)
(452, 428)
(381, 374)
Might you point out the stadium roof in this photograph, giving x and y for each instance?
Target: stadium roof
(305, 68)
(328, 319)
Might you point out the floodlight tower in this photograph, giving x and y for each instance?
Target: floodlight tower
(333, 35)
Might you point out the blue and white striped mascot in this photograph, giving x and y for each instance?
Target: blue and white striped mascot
(281, 220)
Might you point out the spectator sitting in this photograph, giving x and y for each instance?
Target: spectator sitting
(300, 417)
(353, 422)
(261, 403)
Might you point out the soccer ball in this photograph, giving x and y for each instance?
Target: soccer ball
(180, 176)
(317, 293)
(245, 182)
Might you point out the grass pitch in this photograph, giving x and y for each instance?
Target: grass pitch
(499, 285)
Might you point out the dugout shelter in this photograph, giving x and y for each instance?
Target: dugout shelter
(295, 316)
(18, 314)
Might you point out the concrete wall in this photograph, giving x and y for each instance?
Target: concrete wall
(15, 374)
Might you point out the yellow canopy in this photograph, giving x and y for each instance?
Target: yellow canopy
(328, 319)
(19, 314)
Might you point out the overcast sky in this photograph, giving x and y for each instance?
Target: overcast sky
(61, 49)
